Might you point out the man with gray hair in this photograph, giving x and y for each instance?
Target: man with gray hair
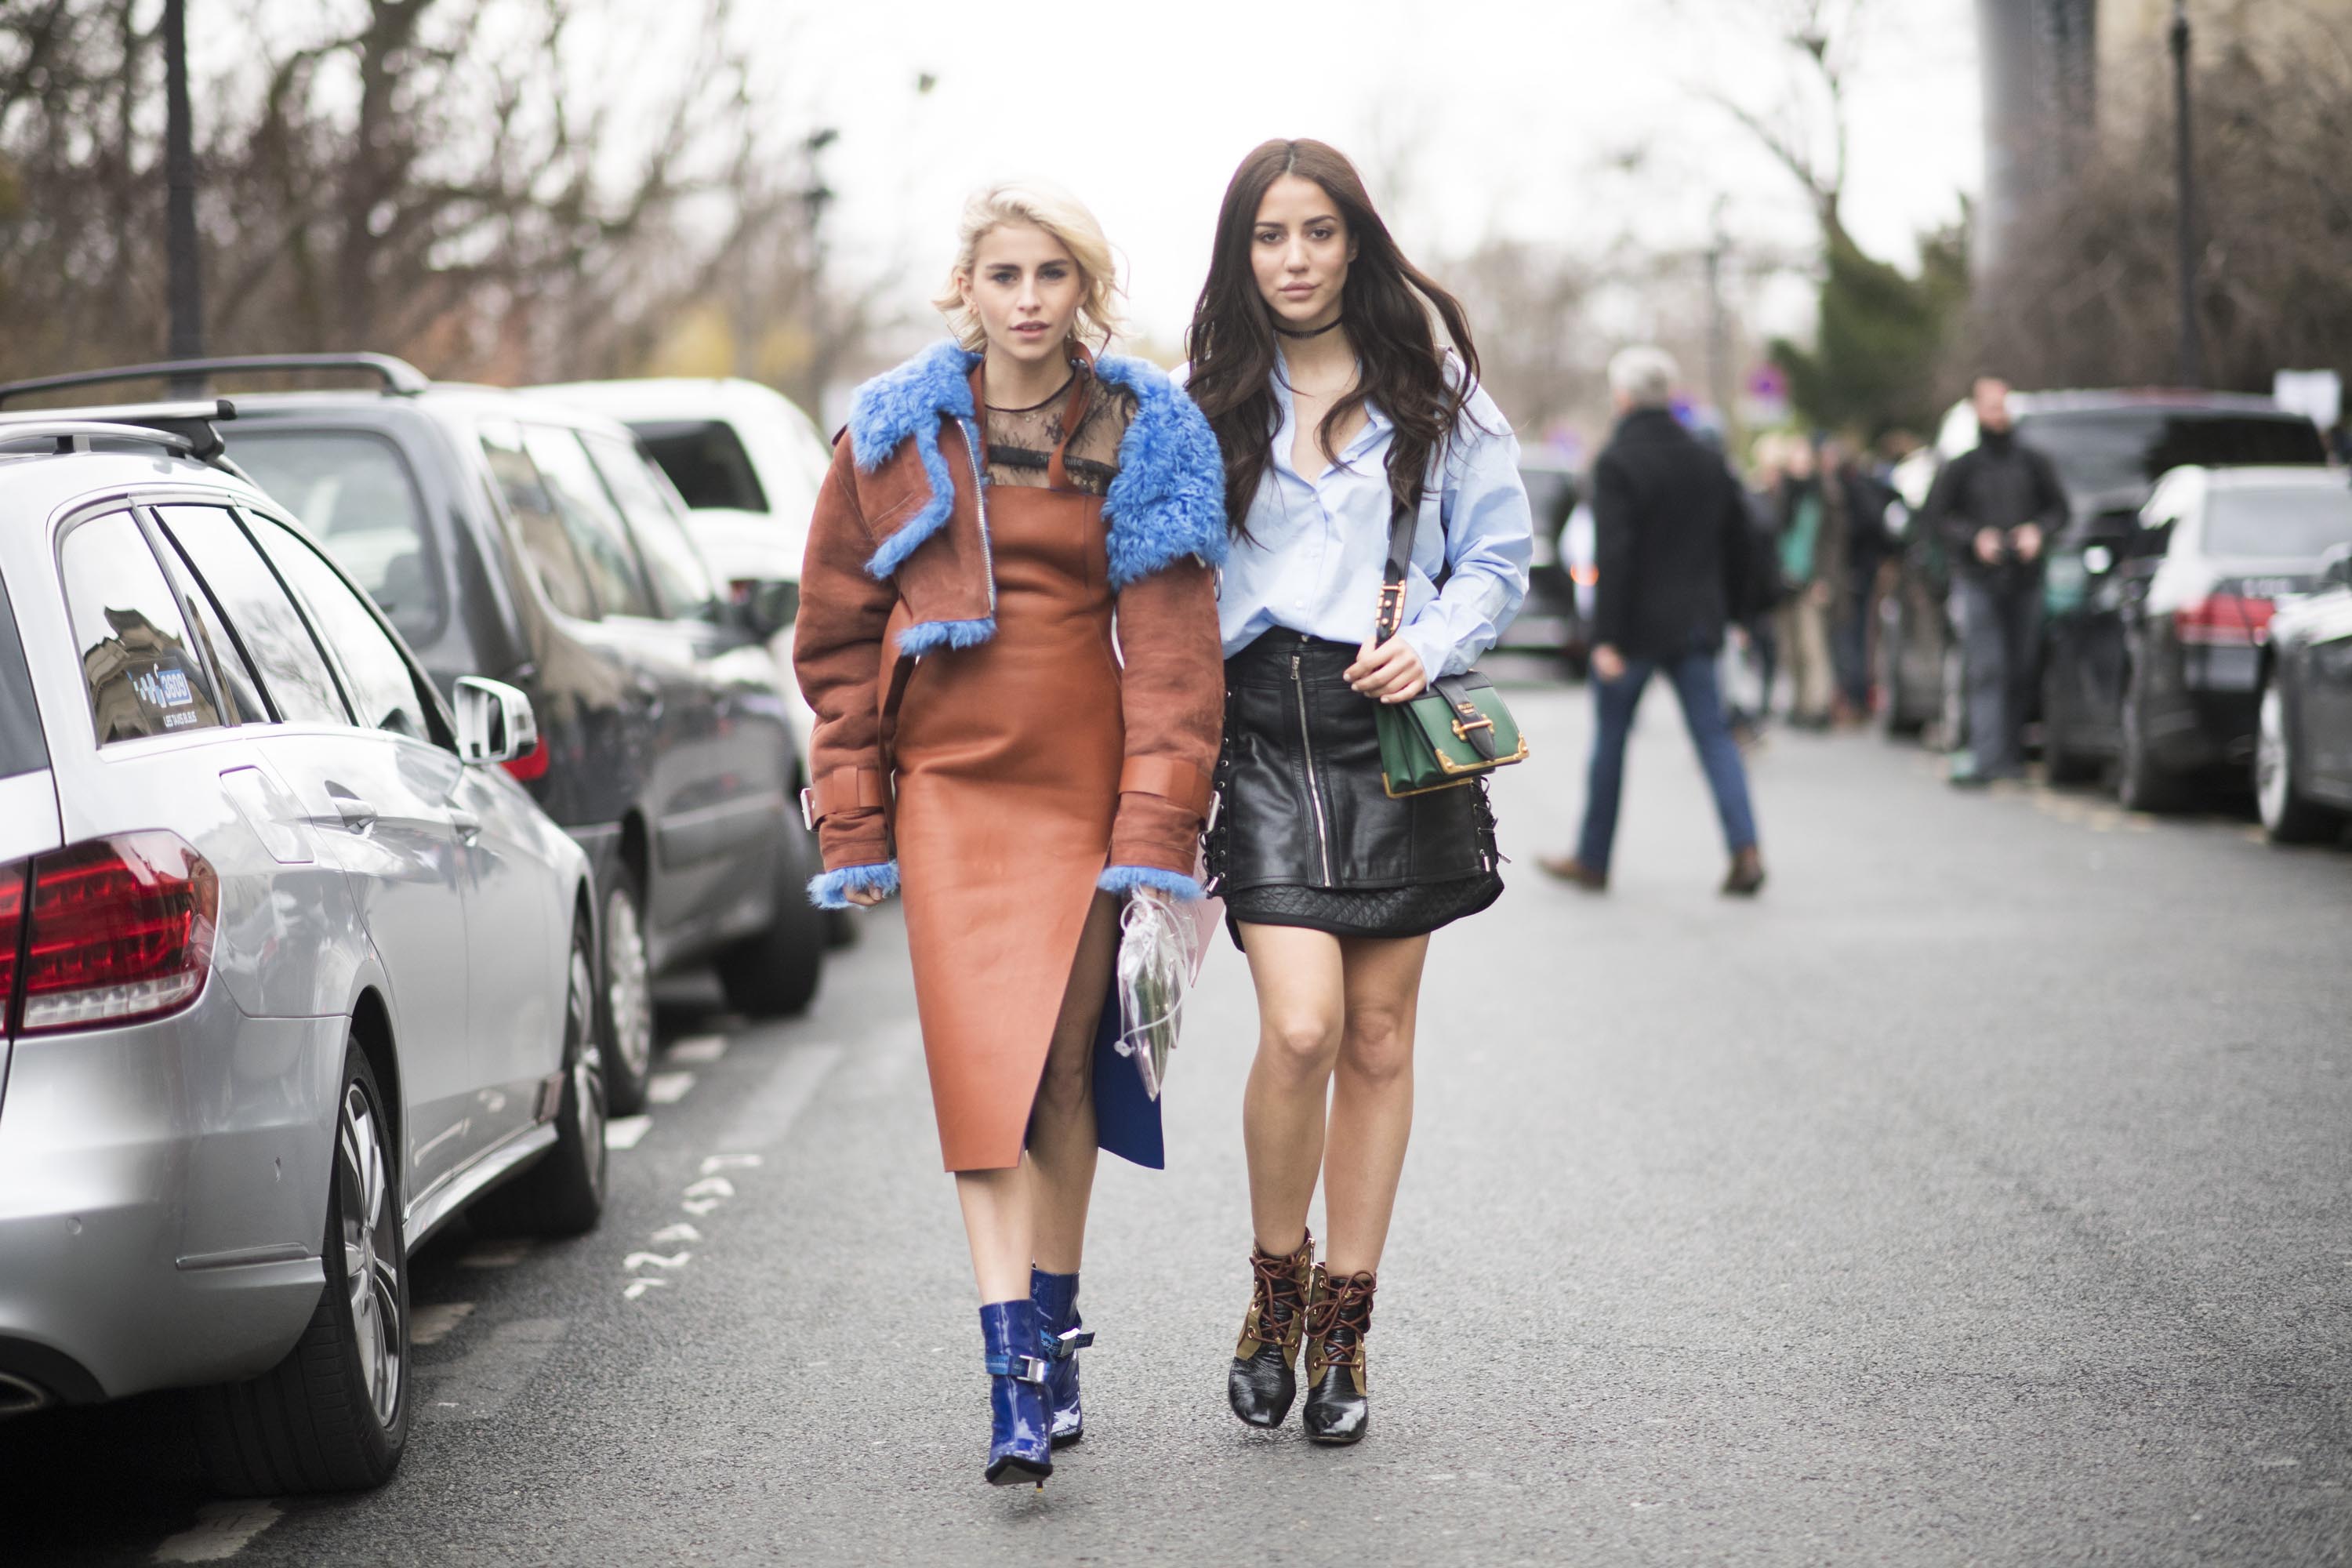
(1671, 529)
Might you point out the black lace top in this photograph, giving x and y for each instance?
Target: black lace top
(1021, 441)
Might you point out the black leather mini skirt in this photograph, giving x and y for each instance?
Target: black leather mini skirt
(1306, 835)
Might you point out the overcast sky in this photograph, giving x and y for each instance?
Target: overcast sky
(1492, 116)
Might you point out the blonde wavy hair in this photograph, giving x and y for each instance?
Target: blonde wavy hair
(1040, 204)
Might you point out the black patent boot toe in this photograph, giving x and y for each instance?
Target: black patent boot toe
(1338, 1318)
(1261, 1384)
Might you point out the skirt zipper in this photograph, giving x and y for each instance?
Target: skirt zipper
(1314, 787)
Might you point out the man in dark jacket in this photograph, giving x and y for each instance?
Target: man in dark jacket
(1670, 534)
(1995, 508)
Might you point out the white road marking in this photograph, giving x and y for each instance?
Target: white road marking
(667, 1087)
(730, 1163)
(699, 1207)
(431, 1325)
(478, 1384)
(636, 1261)
(773, 1108)
(221, 1532)
(495, 1254)
(711, 1187)
(637, 1288)
(670, 1235)
(627, 1132)
(701, 1049)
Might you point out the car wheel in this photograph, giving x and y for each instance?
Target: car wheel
(624, 1008)
(2141, 783)
(2060, 764)
(563, 1194)
(775, 973)
(333, 1416)
(2287, 818)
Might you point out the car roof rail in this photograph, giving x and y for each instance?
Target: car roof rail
(183, 426)
(400, 378)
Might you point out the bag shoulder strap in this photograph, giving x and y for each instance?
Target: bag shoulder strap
(1402, 524)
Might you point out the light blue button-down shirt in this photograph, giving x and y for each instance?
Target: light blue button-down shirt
(1313, 561)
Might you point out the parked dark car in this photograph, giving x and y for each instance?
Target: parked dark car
(1551, 620)
(2109, 448)
(531, 542)
(2302, 748)
(2187, 597)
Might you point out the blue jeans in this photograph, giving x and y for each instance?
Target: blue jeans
(1693, 676)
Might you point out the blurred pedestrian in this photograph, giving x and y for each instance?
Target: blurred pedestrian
(1860, 503)
(1019, 781)
(1994, 507)
(1752, 662)
(1673, 542)
(1338, 408)
(1810, 530)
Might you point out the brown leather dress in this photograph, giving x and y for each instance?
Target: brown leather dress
(1008, 758)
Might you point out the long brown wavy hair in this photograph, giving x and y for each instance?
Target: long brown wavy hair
(1385, 307)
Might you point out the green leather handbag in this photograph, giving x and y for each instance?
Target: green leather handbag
(1458, 730)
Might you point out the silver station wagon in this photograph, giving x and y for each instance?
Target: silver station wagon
(291, 972)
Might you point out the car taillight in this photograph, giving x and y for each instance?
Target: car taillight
(12, 909)
(2223, 620)
(531, 764)
(115, 928)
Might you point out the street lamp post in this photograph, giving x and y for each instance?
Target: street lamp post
(185, 290)
(2192, 354)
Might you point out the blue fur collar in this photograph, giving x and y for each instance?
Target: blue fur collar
(1168, 501)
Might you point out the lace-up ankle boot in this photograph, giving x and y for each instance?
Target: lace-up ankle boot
(1061, 1335)
(1020, 1438)
(1262, 1383)
(1339, 1317)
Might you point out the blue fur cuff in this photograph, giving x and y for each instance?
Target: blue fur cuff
(831, 890)
(1127, 878)
(924, 635)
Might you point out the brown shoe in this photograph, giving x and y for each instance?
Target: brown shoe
(1568, 868)
(1261, 1384)
(1746, 874)
(1339, 1397)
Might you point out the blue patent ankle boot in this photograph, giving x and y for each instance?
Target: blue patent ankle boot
(1061, 1335)
(1020, 1438)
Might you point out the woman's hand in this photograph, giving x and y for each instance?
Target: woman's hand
(1391, 672)
(864, 897)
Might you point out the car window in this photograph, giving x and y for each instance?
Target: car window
(383, 691)
(22, 748)
(681, 582)
(355, 494)
(241, 689)
(250, 598)
(544, 538)
(2278, 522)
(2095, 451)
(138, 666)
(590, 517)
(705, 460)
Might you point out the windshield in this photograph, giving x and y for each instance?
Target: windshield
(22, 750)
(2130, 448)
(355, 494)
(2278, 523)
(705, 460)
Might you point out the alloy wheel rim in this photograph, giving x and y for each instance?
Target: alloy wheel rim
(371, 1271)
(628, 992)
(2269, 759)
(587, 1062)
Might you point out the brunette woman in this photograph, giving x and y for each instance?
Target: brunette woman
(981, 746)
(1314, 356)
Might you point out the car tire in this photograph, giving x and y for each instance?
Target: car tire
(842, 929)
(2141, 783)
(2287, 816)
(563, 1194)
(775, 973)
(624, 1001)
(2060, 764)
(333, 1416)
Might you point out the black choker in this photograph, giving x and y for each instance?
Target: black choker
(1310, 333)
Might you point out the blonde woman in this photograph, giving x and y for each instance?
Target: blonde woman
(984, 749)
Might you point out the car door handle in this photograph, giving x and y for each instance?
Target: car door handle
(356, 814)
(468, 825)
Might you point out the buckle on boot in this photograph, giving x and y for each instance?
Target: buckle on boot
(1019, 1368)
(1067, 1343)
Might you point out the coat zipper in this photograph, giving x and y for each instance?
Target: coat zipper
(980, 500)
(1313, 786)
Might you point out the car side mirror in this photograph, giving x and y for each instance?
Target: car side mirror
(2336, 567)
(765, 609)
(495, 724)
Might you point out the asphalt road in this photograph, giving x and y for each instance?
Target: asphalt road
(1982, 1194)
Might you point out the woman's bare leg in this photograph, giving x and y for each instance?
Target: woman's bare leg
(1062, 1137)
(996, 1221)
(1372, 1098)
(1301, 1001)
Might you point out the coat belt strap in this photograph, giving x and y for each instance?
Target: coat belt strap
(846, 789)
(1170, 779)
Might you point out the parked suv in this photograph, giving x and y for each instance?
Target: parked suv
(523, 539)
(291, 972)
